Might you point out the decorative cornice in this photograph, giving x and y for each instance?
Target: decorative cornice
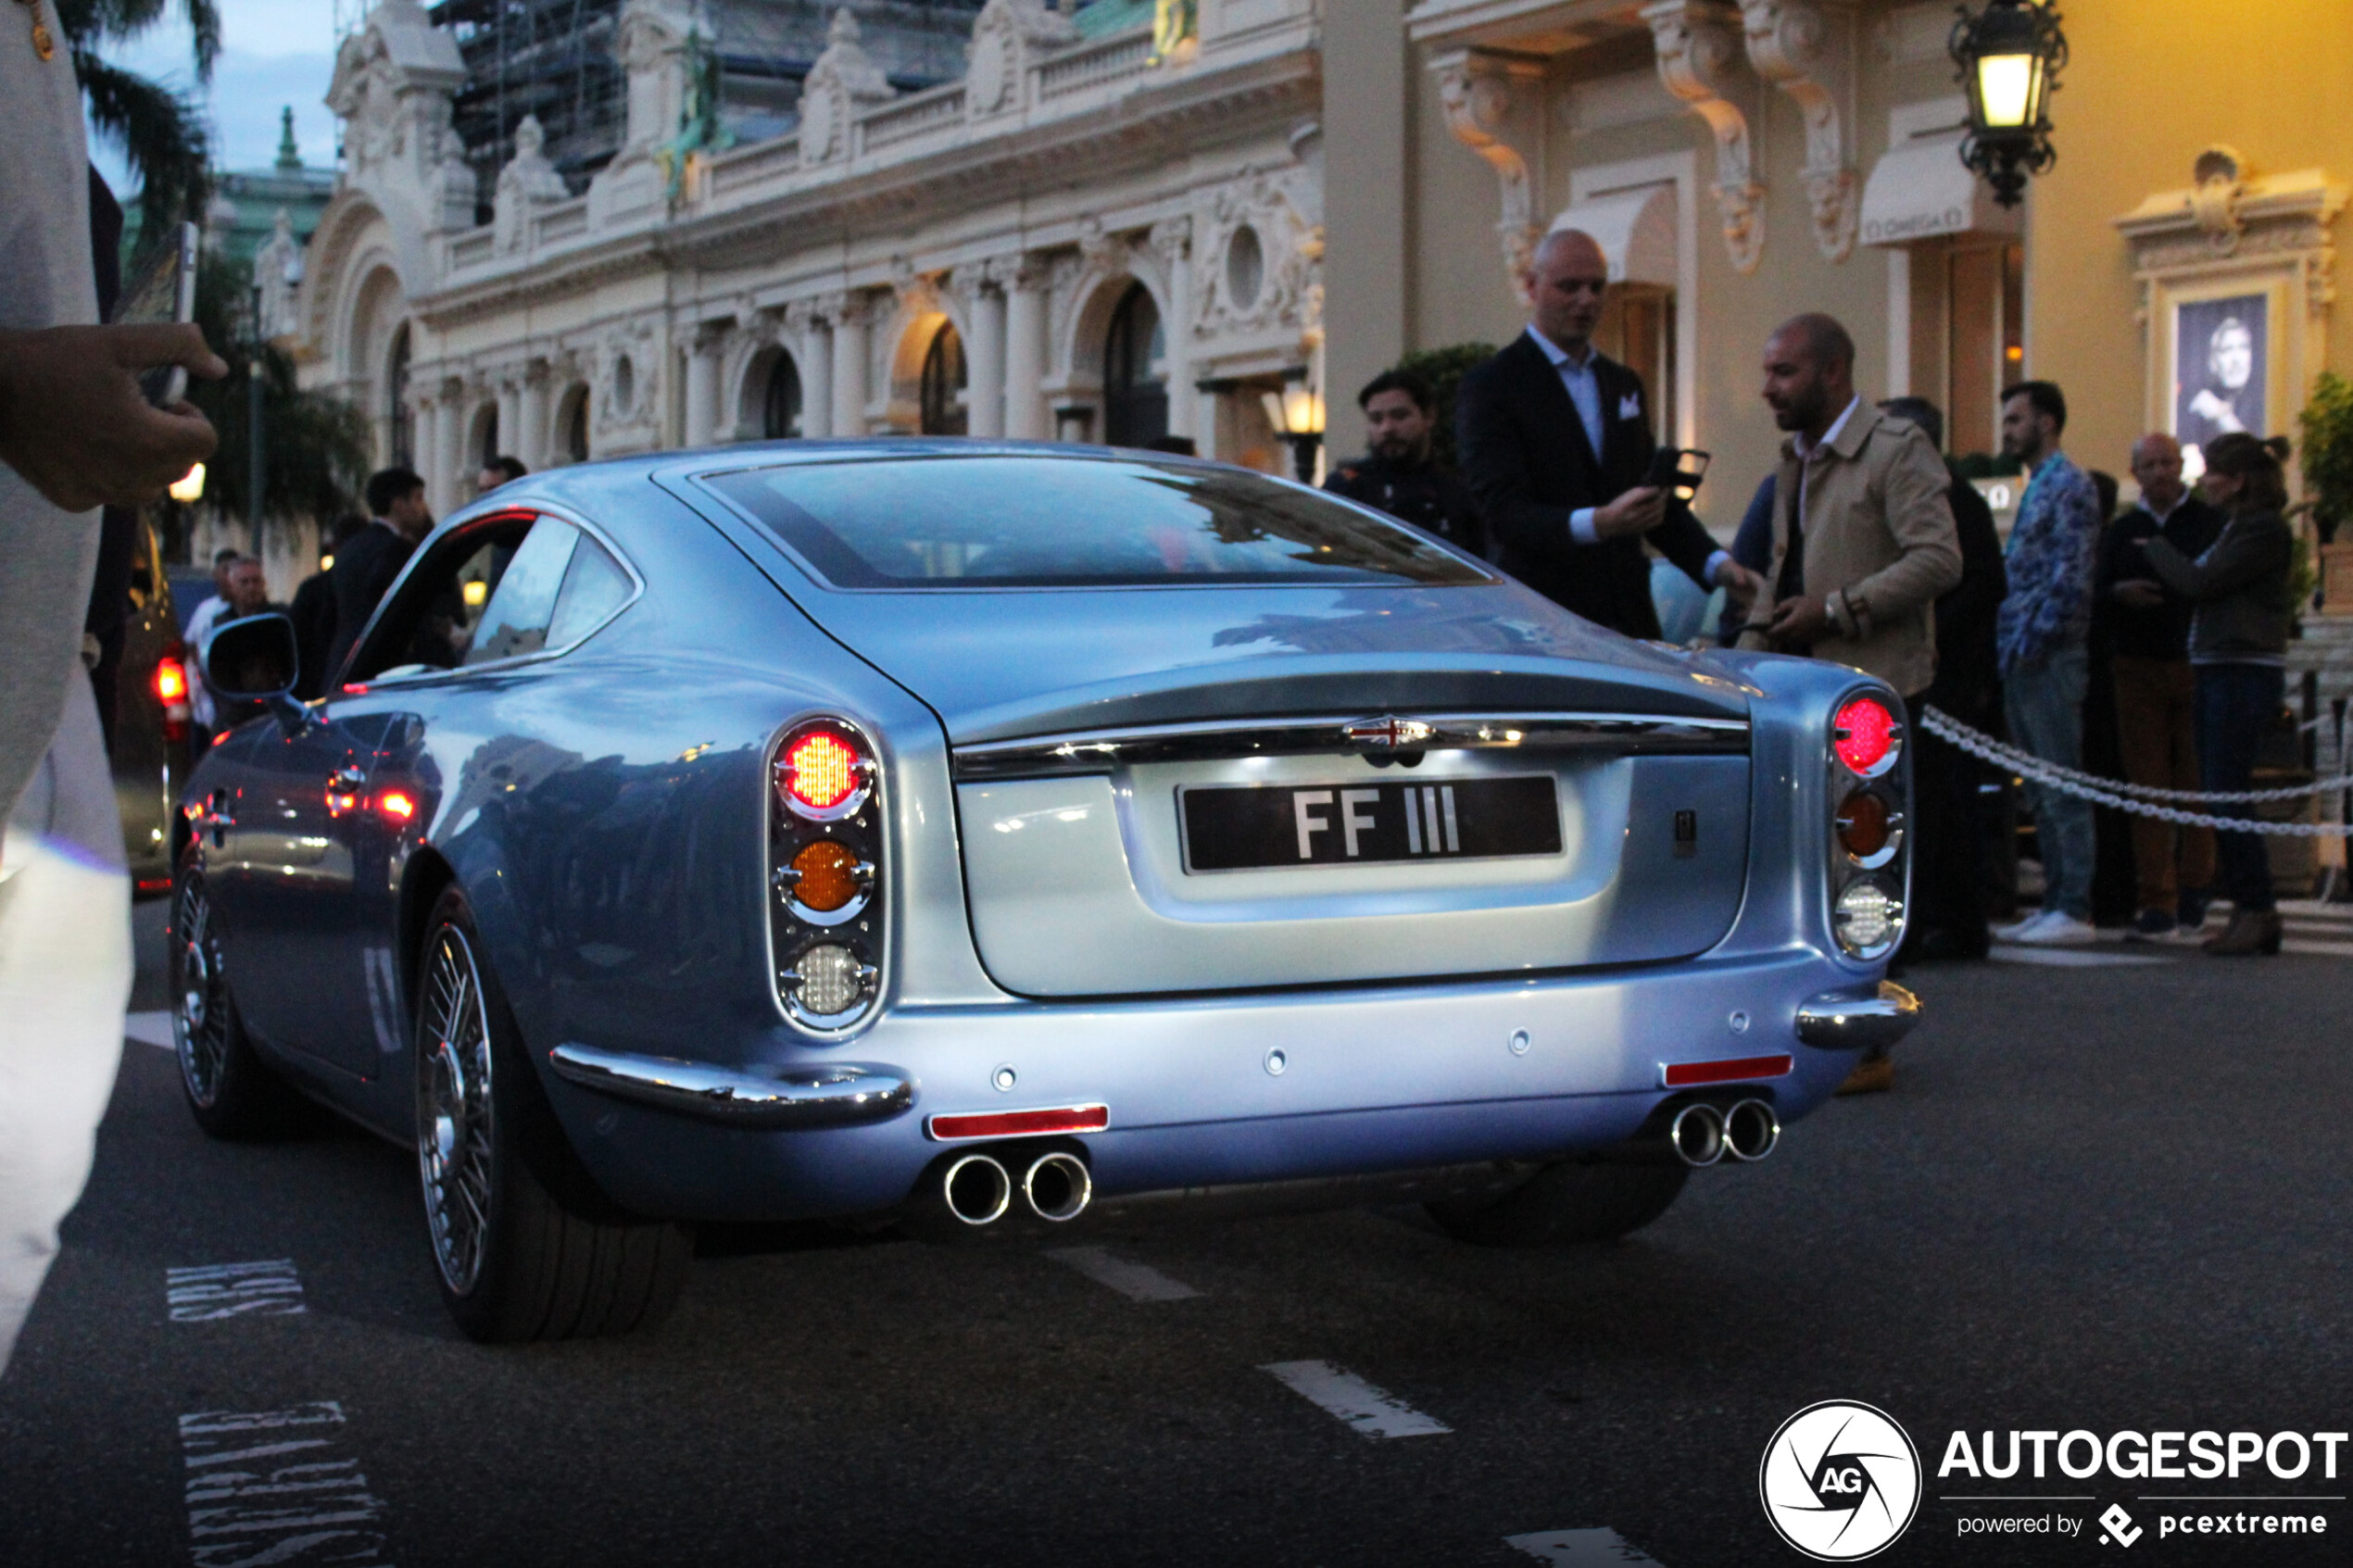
(1807, 48)
(1699, 44)
(1478, 92)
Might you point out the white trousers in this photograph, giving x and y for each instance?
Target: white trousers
(65, 977)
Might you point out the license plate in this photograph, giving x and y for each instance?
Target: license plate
(1268, 828)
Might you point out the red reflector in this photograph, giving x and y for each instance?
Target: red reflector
(154, 884)
(821, 770)
(1024, 1123)
(1690, 1074)
(1864, 734)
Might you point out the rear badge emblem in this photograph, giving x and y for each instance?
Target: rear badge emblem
(1389, 731)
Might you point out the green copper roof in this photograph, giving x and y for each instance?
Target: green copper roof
(1099, 18)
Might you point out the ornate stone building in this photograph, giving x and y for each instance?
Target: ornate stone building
(1089, 234)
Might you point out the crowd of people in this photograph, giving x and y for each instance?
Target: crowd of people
(1862, 545)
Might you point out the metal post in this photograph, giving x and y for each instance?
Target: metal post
(2341, 886)
(257, 472)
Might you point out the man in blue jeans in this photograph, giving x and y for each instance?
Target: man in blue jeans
(2039, 639)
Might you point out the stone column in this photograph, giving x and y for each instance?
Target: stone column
(447, 476)
(509, 419)
(1024, 351)
(424, 425)
(702, 388)
(816, 373)
(851, 328)
(529, 441)
(985, 396)
(1172, 241)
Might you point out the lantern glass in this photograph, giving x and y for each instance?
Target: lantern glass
(1273, 402)
(1302, 411)
(2009, 91)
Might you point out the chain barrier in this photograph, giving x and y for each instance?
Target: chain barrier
(2109, 793)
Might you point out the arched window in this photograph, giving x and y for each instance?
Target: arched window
(780, 410)
(1135, 405)
(402, 451)
(943, 409)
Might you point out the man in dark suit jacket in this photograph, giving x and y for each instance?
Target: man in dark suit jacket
(367, 565)
(1555, 440)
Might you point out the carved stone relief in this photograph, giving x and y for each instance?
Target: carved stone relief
(1807, 48)
(1699, 46)
(1006, 37)
(1477, 92)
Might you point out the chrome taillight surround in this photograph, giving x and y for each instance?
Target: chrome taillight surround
(1866, 895)
(828, 963)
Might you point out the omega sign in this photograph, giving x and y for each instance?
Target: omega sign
(1918, 226)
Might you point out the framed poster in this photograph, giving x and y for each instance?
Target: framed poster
(2220, 355)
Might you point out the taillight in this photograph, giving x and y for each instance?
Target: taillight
(824, 859)
(1869, 789)
(1867, 737)
(171, 692)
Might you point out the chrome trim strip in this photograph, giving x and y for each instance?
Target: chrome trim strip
(1099, 751)
(796, 1099)
(1850, 1023)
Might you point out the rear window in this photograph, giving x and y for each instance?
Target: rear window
(1038, 521)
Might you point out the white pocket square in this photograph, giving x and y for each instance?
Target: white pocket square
(1630, 406)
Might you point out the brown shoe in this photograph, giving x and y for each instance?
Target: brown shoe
(1872, 1075)
(2251, 932)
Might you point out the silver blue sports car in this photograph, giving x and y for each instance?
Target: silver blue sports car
(970, 833)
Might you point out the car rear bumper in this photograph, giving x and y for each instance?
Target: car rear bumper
(1211, 1090)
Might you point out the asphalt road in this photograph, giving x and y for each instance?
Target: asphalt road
(2104, 1197)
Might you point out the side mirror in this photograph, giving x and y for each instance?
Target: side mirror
(256, 659)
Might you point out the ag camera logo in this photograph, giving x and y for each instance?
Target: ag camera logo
(1840, 1481)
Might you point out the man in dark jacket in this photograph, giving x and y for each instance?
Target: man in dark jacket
(313, 611)
(1398, 474)
(1949, 867)
(1555, 441)
(2156, 695)
(366, 566)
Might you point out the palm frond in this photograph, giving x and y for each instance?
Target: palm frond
(88, 23)
(161, 137)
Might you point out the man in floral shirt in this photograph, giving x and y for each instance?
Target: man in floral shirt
(2040, 638)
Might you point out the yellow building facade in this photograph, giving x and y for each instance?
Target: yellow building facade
(1745, 162)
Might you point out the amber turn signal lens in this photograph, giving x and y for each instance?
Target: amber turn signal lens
(827, 876)
(1862, 825)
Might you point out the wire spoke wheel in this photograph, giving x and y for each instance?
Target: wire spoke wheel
(455, 1154)
(200, 1015)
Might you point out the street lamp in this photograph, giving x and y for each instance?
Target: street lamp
(1297, 414)
(2009, 56)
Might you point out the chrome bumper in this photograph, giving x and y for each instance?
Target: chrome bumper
(1854, 1024)
(837, 1095)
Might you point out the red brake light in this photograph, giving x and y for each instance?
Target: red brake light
(398, 804)
(172, 681)
(1864, 735)
(824, 774)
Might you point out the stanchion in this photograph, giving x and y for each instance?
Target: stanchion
(2338, 888)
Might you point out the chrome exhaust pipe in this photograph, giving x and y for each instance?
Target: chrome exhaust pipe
(978, 1189)
(1697, 1135)
(1750, 1130)
(1058, 1186)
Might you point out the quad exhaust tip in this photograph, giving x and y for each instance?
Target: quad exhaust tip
(978, 1189)
(1058, 1186)
(1750, 1130)
(1697, 1135)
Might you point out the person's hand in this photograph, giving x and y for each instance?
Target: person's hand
(1638, 511)
(1740, 585)
(1798, 620)
(2207, 405)
(75, 425)
(2139, 593)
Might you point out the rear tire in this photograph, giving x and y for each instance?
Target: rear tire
(230, 1092)
(1565, 1202)
(525, 1245)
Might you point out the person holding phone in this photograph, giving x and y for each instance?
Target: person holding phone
(1555, 441)
(75, 433)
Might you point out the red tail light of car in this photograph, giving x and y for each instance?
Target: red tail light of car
(171, 683)
(824, 774)
(1868, 854)
(825, 874)
(1867, 737)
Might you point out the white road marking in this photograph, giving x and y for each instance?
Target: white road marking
(316, 1510)
(2318, 949)
(1579, 1548)
(227, 1290)
(149, 1029)
(1369, 1410)
(1137, 1282)
(2068, 958)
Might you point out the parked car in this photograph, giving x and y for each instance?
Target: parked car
(967, 831)
(151, 720)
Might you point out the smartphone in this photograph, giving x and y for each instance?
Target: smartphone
(164, 290)
(1678, 468)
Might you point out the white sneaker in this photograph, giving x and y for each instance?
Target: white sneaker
(2017, 930)
(2058, 929)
